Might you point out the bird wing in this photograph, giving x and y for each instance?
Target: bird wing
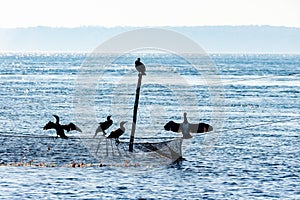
(173, 126)
(197, 128)
(71, 127)
(49, 125)
(99, 129)
(116, 133)
(112, 134)
(105, 125)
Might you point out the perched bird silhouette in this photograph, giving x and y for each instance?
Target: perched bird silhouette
(60, 128)
(140, 67)
(104, 126)
(117, 133)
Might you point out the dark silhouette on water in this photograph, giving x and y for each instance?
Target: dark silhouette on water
(117, 133)
(60, 128)
(104, 126)
(140, 67)
(193, 128)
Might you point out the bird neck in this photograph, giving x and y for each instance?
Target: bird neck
(57, 119)
(122, 127)
(185, 119)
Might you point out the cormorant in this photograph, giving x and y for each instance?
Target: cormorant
(117, 133)
(194, 128)
(140, 67)
(60, 128)
(103, 126)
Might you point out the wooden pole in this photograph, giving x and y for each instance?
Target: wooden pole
(136, 105)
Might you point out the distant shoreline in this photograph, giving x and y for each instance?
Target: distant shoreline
(213, 39)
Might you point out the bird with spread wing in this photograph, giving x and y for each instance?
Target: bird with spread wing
(60, 128)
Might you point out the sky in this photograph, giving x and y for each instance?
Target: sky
(140, 13)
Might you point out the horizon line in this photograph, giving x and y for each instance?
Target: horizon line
(88, 52)
(166, 26)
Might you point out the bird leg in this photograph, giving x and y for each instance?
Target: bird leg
(117, 141)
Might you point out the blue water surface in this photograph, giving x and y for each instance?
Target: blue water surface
(254, 154)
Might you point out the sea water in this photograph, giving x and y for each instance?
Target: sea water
(254, 152)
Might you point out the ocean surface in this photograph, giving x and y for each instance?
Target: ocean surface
(251, 100)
